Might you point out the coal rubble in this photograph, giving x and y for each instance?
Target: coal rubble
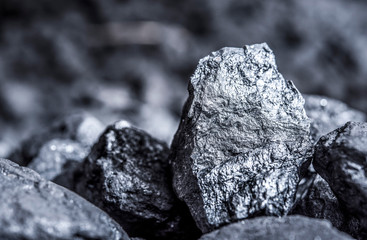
(33, 208)
(127, 175)
(238, 165)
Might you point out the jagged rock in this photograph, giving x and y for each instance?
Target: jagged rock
(320, 202)
(33, 208)
(286, 228)
(243, 138)
(341, 159)
(58, 159)
(328, 114)
(82, 128)
(127, 175)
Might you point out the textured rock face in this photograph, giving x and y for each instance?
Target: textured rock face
(243, 136)
(328, 114)
(33, 208)
(82, 128)
(341, 159)
(287, 228)
(127, 175)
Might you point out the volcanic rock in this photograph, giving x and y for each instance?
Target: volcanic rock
(243, 137)
(286, 228)
(127, 175)
(328, 114)
(33, 208)
(341, 159)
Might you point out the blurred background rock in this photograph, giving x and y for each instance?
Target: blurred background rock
(132, 59)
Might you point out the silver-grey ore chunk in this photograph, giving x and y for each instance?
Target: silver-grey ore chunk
(243, 137)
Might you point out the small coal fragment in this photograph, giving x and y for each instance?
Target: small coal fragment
(341, 159)
(243, 138)
(320, 202)
(328, 114)
(82, 128)
(33, 208)
(127, 174)
(286, 228)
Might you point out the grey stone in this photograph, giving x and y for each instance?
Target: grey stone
(328, 114)
(243, 137)
(127, 175)
(34, 209)
(286, 228)
(341, 159)
(82, 128)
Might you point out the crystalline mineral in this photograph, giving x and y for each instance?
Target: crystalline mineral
(286, 228)
(127, 175)
(33, 208)
(328, 114)
(243, 137)
(341, 159)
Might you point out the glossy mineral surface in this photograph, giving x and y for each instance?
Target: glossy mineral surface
(243, 136)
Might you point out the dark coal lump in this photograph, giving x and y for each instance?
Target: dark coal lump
(328, 114)
(33, 208)
(286, 228)
(127, 175)
(243, 137)
(341, 159)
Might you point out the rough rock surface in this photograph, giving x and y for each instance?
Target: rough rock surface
(328, 114)
(127, 175)
(82, 128)
(286, 228)
(33, 208)
(341, 159)
(243, 137)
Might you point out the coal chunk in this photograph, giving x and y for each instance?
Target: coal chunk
(243, 137)
(341, 159)
(328, 114)
(287, 228)
(320, 202)
(127, 175)
(82, 128)
(33, 208)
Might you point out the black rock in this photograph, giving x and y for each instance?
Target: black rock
(320, 202)
(243, 138)
(33, 208)
(127, 175)
(286, 228)
(341, 159)
(328, 114)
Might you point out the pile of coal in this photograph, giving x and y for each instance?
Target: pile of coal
(286, 228)
(242, 141)
(33, 208)
(127, 174)
(56, 152)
